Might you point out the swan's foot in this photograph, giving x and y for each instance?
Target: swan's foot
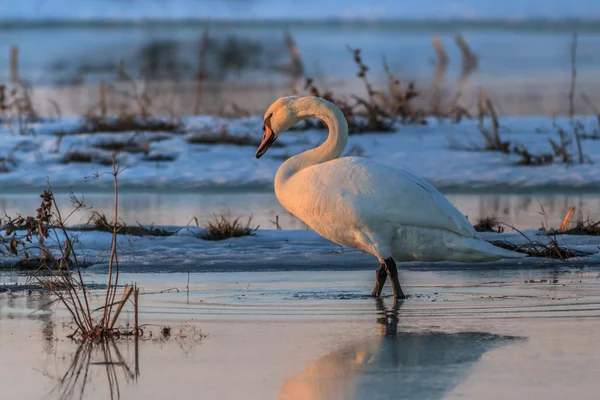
(392, 271)
(380, 277)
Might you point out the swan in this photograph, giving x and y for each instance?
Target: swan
(359, 203)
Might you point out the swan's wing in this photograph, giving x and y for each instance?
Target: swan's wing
(378, 192)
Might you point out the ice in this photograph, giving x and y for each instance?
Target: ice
(435, 152)
(270, 250)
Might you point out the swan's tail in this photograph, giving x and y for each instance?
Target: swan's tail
(474, 249)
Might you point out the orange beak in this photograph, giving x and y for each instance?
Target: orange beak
(267, 140)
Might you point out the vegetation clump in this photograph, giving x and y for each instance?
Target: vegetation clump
(222, 227)
(60, 267)
(540, 249)
(87, 157)
(489, 224)
(99, 222)
(127, 123)
(223, 136)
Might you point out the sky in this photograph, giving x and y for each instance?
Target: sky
(308, 9)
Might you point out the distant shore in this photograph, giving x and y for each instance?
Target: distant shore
(512, 97)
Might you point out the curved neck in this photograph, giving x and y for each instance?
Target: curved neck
(309, 107)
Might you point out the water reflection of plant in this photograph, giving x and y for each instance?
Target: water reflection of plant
(72, 384)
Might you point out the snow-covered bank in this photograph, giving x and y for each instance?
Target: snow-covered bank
(436, 152)
(186, 251)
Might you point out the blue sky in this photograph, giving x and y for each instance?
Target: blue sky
(270, 9)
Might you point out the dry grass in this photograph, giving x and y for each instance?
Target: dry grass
(489, 224)
(61, 272)
(362, 115)
(539, 249)
(99, 222)
(9, 160)
(493, 141)
(533, 248)
(561, 148)
(127, 123)
(159, 157)
(130, 145)
(222, 227)
(581, 226)
(222, 136)
(16, 108)
(87, 157)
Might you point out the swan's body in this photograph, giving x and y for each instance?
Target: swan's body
(359, 203)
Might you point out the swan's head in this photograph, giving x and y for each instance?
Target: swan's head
(280, 117)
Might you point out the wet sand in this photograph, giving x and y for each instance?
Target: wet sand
(315, 335)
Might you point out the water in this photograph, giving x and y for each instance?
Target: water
(273, 10)
(522, 211)
(509, 51)
(460, 335)
(523, 65)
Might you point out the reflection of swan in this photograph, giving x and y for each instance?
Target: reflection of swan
(406, 365)
(359, 203)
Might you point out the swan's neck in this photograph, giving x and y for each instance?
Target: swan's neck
(331, 149)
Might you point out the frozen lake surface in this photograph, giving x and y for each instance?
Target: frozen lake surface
(530, 333)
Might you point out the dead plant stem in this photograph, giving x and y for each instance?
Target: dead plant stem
(111, 289)
(69, 243)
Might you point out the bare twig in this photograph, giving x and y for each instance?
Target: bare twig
(111, 289)
(572, 97)
(201, 69)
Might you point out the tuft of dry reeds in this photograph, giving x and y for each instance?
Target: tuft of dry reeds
(493, 142)
(363, 115)
(87, 157)
(127, 123)
(223, 136)
(128, 145)
(222, 227)
(61, 273)
(99, 222)
(489, 224)
(581, 226)
(159, 157)
(540, 249)
(16, 108)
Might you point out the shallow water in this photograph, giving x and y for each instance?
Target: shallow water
(163, 208)
(467, 335)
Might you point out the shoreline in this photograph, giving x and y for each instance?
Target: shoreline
(185, 250)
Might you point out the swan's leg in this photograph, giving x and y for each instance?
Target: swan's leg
(380, 277)
(393, 273)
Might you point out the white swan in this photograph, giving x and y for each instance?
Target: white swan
(359, 203)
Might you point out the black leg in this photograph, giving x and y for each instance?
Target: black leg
(380, 277)
(392, 271)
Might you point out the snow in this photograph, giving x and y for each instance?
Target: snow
(266, 10)
(187, 251)
(435, 152)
